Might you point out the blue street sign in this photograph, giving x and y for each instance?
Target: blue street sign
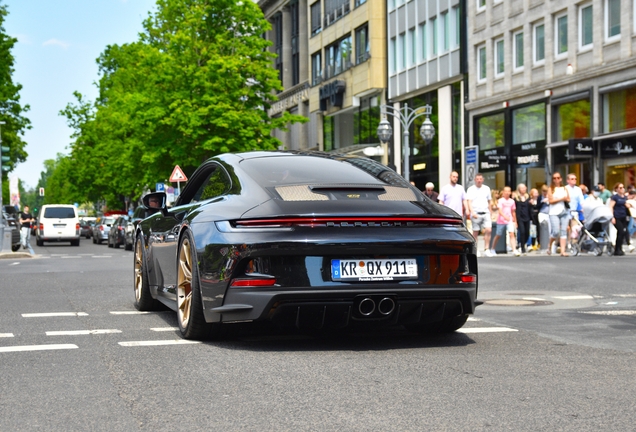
(160, 187)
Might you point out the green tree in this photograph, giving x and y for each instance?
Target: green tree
(11, 112)
(198, 82)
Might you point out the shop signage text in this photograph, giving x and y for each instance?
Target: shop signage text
(291, 101)
(581, 147)
(530, 153)
(618, 147)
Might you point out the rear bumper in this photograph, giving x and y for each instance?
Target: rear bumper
(326, 309)
(58, 238)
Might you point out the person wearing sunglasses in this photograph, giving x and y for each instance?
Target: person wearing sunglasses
(619, 205)
(559, 214)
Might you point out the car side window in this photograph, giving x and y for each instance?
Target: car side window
(216, 184)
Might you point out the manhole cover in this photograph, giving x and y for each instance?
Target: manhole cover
(515, 302)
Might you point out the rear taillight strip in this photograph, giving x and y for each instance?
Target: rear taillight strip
(354, 221)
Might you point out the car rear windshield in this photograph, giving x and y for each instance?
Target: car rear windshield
(281, 170)
(59, 213)
(108, 221)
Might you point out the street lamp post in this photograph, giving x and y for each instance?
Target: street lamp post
(406, 116)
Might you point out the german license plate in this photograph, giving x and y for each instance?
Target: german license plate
(373, 269)
(59, 225)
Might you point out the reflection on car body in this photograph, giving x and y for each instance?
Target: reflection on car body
(304, 240)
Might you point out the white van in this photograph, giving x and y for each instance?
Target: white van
(58, 222)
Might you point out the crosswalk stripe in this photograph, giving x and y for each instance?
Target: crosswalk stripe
(486, 330)
(163, 329)
(129, 313)
(159, 342)
(38, 347)
(6, 335)
(81, 332)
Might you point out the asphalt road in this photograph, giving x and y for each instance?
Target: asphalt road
(551, 349)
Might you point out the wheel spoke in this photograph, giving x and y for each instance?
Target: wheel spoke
(184, 283)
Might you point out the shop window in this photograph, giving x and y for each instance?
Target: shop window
(538, 44)
(528, 124)
(328, 133)
(491, 131)
(619, 110)
(572, 120)
(366, 121)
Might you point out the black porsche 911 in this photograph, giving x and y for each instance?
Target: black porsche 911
(306, 240)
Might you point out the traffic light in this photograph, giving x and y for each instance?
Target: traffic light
(3, 159)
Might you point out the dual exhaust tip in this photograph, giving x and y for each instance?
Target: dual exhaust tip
(367, 306)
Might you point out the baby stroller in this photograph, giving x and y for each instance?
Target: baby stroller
(593, 236)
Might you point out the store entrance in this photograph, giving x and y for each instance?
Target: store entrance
(531, 177)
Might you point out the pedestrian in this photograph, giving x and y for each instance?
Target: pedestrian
(604, 193)
(478, 198)
(543, 204)
(534, 222)
(631, 225)
(523, 212)
(576, 199)
(26, 219)
(507, 219)
(429, 191)
(559, 213)
(453, 195)
(619, 205)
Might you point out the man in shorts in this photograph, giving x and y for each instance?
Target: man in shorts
(478, 201)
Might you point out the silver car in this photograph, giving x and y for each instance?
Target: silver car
(102, 228)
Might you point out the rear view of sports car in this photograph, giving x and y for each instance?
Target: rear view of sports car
(304, 240)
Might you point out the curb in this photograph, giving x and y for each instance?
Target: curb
(12, 255)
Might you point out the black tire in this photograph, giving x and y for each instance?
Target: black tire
(128, 247)
(39, 242)
(141, 287)
(116, 245)
(190, 316)
(75, 242)
(94, 240)
(109, 243)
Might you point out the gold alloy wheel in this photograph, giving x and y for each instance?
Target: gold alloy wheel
(184, 284)
(139, 275)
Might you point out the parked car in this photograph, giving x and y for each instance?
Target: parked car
(304, 240)
(58, 222)
(117, 233)
(86, 228)
(12, 224)
(138, 215)
(102, 228)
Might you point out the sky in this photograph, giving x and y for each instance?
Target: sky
(58, 43)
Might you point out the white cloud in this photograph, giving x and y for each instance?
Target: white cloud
(56, 42)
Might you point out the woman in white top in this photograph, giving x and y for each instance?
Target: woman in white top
(559, 214)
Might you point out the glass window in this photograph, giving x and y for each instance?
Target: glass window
(316, 68)
(572, 120)
(215, 185)
(316, 22)
(499, 58)
(433, 38)
(561, 35)
(539, 43)
(402, 45)
(338, 56)
(619, 110)
(613, 19)
(362, 44)
(518, 50)
(481, 5)
(457, 23)
(586, 26)
(491, 131)
(445, 32)
(528, 124)
(481, 59)
(413, 47)
(423, 41)
(366, 121)
(359, 2)
(393, 54)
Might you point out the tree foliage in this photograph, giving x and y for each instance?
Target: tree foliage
(11, 112)
(197, 83)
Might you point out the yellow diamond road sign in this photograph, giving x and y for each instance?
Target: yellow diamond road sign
(177, 175)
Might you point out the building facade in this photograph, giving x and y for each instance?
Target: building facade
(289, 39)
(426, 66)
(552, 88)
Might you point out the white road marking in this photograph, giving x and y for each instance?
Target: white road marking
(574, 297)
(158, 342)
(54, 314)
(81, 332)
(612, 312)
(15, 263)
(129, 313)
(102, 256)
(611, 303)
(473, 319)
(486, 330)
(624, 295)
(38, 347)
(71, 256)
(534, 298)
(6, 334)
(162, 329)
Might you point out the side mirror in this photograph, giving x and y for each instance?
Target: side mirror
(155, 201)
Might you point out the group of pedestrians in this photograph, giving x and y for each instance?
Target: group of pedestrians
(520, 214)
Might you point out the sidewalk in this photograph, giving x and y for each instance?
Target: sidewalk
(480, 248)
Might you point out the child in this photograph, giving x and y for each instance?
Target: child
(507, 219)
